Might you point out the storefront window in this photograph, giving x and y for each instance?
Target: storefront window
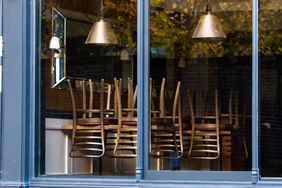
(208, 92)
(270, 47)
(88, 88)
(200, 86)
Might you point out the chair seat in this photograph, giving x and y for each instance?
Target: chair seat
(89, 121)
(129, 122)
(155, 120)
(225, 126)
(129, 119)
(205, 126)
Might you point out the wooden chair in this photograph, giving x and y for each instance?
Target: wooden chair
(88, 123)
(126, 140)
(111, 112)
(229, 121)
(243, 127)
(236, 123)
(166, 130)
(240, 127)
(205, 140)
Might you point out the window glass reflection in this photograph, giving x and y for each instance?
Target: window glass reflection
(200, 71)
(88, 117)
(270, 79)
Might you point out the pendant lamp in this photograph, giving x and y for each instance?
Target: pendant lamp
(55, 43)
(101, 32)
(124, 56)
(209, 26)
(181, 63)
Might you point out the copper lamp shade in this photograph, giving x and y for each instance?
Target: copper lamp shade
(101, 33)
(209, 27)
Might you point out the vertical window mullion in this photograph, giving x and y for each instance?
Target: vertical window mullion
(143, 54)
(255, 91)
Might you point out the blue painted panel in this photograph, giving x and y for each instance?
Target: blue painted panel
(1, 33)
(12, 90)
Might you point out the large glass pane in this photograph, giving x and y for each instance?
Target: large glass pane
(270, 47)
(88, 121)
(201, 80)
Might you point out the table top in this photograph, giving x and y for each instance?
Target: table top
(106, 127)
(68, 127)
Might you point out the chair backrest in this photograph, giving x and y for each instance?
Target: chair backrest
(126, 143)
(152, 103)
(118, 100)
(87, 142)
(176, 106)
(162, 99)
(87, 90)
(205, 141)
(233, 109)
(176, 110)
(119, 83)
(131, 97)
(230, 107)
(166, 130)
(191, 107)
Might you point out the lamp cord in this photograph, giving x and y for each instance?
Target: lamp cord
(89, 18)
(208, 8)
(102, 10)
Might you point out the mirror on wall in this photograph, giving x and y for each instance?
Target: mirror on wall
(74, 57)
(58, 45)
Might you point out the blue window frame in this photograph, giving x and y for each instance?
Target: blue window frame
(21, 100)
(1, 73)
(255, 92)
(144, 46)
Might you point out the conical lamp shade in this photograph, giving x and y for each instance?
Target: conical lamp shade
(209, 27)
(55, 43)
(101, 33)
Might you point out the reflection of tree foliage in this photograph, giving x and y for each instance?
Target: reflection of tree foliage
(270, 35)
(170, 28)
(124, 20)
(172, 23)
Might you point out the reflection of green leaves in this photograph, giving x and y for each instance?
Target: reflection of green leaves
(170, 28)
(270, 32)
(124, 20)
(172, 24)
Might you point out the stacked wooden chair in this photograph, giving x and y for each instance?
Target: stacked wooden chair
(88, 133)
(229, 121)
(205, 133)
(166, 129)
(126, 136)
